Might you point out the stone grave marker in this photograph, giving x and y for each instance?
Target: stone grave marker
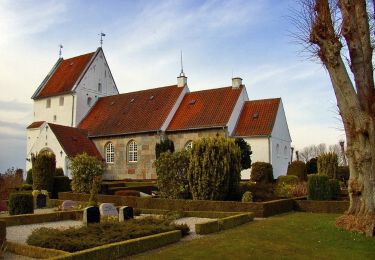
(41, 201)
(68, 205)
(91, 215)
(126, 213)
(107, 209)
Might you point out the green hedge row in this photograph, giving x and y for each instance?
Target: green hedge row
(27, 219)
(208, 227)
(32, 251)
(125, 248)
(21, 203)
(197, 214)
(315, 206)
(213, 226)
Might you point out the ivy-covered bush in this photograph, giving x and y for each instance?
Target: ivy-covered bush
(312, 166)
(328, 164)
(261, 172)
(245, 153)
(247, 197)
(172, 172)
(318, 187)
(215, 169)
(21, 203)
(60, 184)
(43, 170)
(83, 169)
(29, 177)
(164, 146)
(297, 168)
(334, 186)
(59, 172)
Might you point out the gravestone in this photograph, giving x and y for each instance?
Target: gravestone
(41, 201)
(126, 213)
(68, 205)
(107, 209)
(91, 215)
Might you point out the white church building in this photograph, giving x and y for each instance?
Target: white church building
(77, 108)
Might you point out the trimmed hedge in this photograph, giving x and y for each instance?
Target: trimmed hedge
(21, 203)
(60, 184)
(134, 193)
(318, 187)
(297, 168)
(33, 251)
(261, 172)
(233, 221)
(334, 187)
(28, 219)
(125, 248)
(208, 227)
(141, 188)
(314, 206)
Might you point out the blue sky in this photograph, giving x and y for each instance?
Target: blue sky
(250, 39)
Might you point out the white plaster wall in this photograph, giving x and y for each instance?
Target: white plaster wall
(237, 111)
(280, 137)
(63, 113)
(47, 140)
(98, 72)
(259, 147)
(174, 108)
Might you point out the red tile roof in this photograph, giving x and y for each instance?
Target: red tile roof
(36, 124)
(141, 111)
(206, 108)
(74, 141)
(65, 76)
(257, 117)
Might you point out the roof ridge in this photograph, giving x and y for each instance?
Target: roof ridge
(212, 89)
(78, 56)
(139, 91)
(263, 99)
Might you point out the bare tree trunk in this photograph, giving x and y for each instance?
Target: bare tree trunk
(355, 102)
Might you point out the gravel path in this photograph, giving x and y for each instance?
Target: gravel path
(19, 234)
(191, 221)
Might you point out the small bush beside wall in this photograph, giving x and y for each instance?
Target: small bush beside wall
(60, 184)
(297, 168)
(21, 203)
(262, 172)
(318, 187)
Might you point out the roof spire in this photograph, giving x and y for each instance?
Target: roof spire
(101, 39)
(60, 50)
(182, 74)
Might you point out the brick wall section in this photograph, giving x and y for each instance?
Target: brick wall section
(260, 209)
(315, 206)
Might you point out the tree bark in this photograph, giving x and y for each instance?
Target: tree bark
(356, 102)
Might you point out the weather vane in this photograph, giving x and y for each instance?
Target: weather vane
(101, 38)
(60, 50)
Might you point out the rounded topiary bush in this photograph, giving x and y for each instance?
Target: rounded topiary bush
(21, 203)
(43, 170)
(261, 172)
(59, 172)
(312, 166)
(297, 168)
(247, 197)
(318, 187)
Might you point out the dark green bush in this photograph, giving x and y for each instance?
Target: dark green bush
(21, 203)
(215, 169)
(318, 187)
(172, 172)
(245, 153)
(334, 186)
(29, 177)
(133, 193)
(312, 166)
(343, 173)
(3, 233)
(60, 184)
(261, 172)
(263, 191)
(59, 172)
(289, 179)
(44, 167)
(297, 168)
(77, 239)
(164, 146)
(26, 186)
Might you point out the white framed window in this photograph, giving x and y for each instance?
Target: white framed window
(189, 145)
(48, 103)
(89, 101)
(132, 151)
(100, 87)
(110, 153)
(61, 101)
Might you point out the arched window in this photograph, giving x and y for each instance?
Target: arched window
(189, 145)
(132, 151)
(89, 99)
(278, 150)
(285, 151)
(110, 153)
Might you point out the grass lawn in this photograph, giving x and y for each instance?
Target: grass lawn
(288, 236)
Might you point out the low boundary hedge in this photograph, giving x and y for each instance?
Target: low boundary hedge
(319, 206)
(260, 209)
(27, 219)
(208, 227)
(125, 248)
(33, 251)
